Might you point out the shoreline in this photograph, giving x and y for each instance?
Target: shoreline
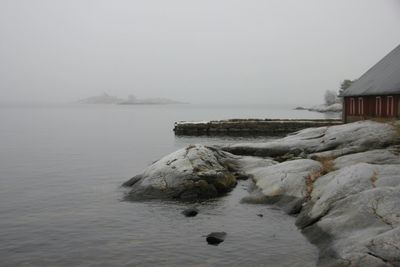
(339, 181)
(334, 180)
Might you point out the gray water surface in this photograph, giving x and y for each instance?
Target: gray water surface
(61, 168)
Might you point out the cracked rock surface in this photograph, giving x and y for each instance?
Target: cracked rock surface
(356, 206)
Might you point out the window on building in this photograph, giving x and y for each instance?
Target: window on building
(352, 106)
(378, 106)
(360, 106)
(390, 106)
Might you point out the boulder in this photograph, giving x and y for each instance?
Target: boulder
(190, 173)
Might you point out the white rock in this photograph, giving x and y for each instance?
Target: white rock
(287, 178)
(284, 184)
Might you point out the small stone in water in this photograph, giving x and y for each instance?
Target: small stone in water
(191, 212)
(215, 238)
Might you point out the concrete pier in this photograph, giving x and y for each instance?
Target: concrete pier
(245, 127)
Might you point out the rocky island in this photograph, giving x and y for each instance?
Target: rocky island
(130, 100)
(341, 182)
(323, 108)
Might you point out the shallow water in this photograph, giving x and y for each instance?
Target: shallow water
(61, 168)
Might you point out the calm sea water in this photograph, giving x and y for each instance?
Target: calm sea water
(61, 168)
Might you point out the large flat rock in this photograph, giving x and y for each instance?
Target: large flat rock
(376, 156)
(285, 184)
(355, 206)
(342, 139)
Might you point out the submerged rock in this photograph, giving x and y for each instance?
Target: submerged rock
(190, 212)
(215, 238)
(190, 173)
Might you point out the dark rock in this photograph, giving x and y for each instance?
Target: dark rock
(215, 238)
(260, 215)
(190, 212)
(132, 181)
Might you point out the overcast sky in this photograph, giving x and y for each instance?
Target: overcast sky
(216, 51)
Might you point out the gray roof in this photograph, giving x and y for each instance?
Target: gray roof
(382, 79)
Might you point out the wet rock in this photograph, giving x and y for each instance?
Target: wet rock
(190, 212)
(260, 215)
(190, 173)
(215, 238)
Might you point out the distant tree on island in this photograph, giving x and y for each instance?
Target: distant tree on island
(330, 97)
(345, 84)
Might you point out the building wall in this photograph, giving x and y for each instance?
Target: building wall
(365, 107)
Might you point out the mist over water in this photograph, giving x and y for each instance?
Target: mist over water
(61, 168)
(226, 51)
(62, 165)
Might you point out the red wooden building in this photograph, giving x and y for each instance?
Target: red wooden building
(376, 94)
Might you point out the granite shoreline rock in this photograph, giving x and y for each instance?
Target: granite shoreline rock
(349, 204)
(342, 183)
(194, 172)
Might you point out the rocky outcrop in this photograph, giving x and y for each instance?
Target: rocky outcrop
(343, 183)
(345, 191)
(334, 141)
(356, 206)
(191, 173)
